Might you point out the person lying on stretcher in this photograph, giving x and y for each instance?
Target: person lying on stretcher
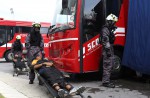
(48, 71)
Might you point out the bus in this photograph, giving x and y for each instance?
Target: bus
(74, 37)
(9, 29)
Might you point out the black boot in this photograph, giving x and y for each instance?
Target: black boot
(31, 82)
(40, 82)
(109, 84)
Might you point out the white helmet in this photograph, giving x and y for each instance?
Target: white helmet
(18, 37)
(112, 17)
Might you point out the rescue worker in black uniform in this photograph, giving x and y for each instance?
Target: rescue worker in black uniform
(16, 50)
(107, 38)
(34, 43)
(17, 47)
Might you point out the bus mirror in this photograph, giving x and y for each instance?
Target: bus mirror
(51, 26)
(50, 29)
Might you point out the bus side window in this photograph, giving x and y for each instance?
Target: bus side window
(43, 30)
(17, 29)
(10, 33)
(26, 29)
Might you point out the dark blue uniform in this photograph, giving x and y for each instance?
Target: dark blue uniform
(108, 54)
(33, 48)
(17, 48)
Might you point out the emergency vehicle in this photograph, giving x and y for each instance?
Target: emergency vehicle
(74, 37)
(9, 29)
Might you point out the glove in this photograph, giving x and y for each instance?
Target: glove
(108, 54)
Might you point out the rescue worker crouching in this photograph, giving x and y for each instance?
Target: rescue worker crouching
(16, 50)
(34, 43)
(17, 47)
(107, 38)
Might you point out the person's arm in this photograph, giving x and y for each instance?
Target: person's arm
(21, 47)
(105, 41)
(105, 38)
(12, 48)
(48, 63)
(37, 65)
(42, 44)
(12, 51)
(27, 42)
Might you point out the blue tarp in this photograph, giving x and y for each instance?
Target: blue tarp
(137, 48)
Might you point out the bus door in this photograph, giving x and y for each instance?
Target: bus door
(92, 21)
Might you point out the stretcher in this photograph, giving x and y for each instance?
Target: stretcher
(51, 90)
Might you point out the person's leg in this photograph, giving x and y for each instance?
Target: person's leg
(56, 86)
(72, 90)
(31, 73)
(54, 81)
(31, 76)
(17, 65)
(15, 68)
(61, 92)
(14, 64)
(32, 52)
(107, 67)
(40, 82)
(21, 63)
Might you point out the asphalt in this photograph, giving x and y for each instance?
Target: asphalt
(14, 87)
(19, 87)
(10, 92)
(6, 90)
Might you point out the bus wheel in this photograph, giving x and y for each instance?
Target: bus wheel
(8, 56)
(116, 70)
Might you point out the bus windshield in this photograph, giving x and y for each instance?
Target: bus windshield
(43, 30)
(64, 17)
